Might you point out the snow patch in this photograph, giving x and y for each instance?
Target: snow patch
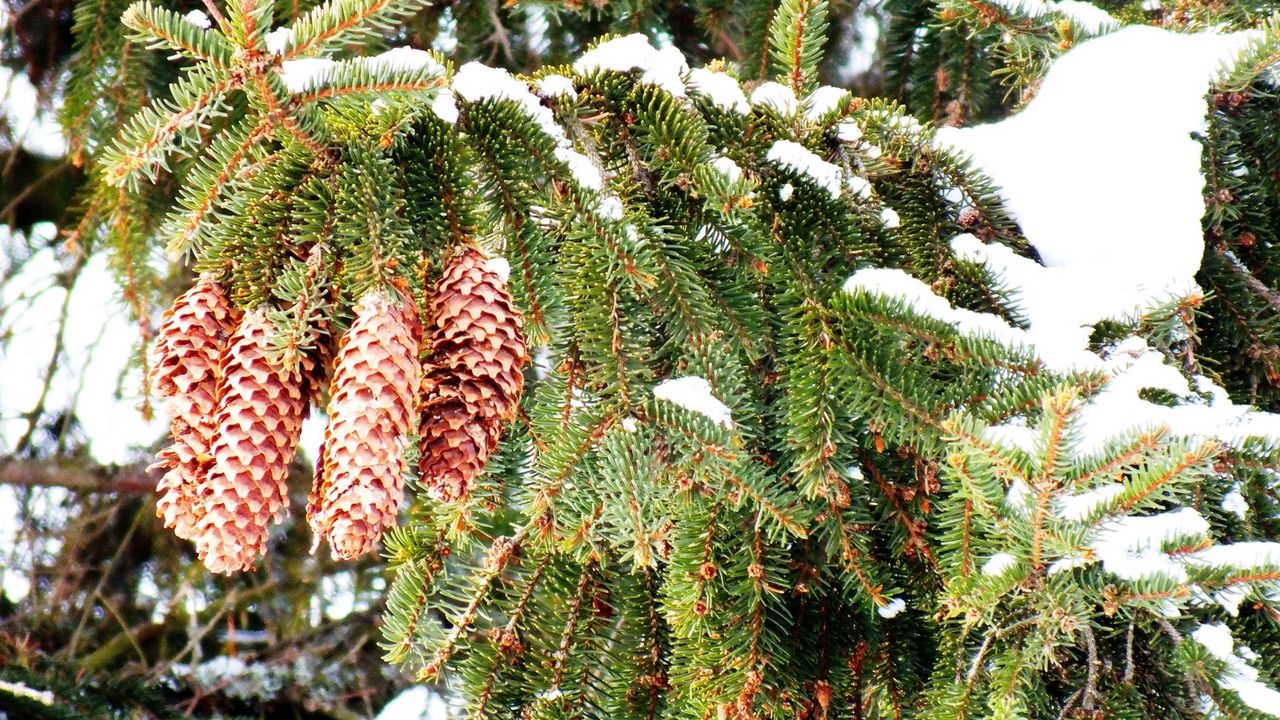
(1092, 19)
(1013, 433)
(694, 394)
(610, 208)
(280, 40)
(802, 161)
(1234, 502)
(1237, 556)
(663, 67)
(919, 298)
(416, 703)
(1019, 498)
(824, 100)
(892, 608)
(999, 564)
(1131, 547)
(1239, 677)
(581, 168)
(553, 86)
(1067, 564)
(898, 284)
(1101, 171)
(403, 59)
(305, 74)
(723, 91)
(1080, 506)
(199, 19)
(499, 266)
(476, 82)
(848, 131)
(44, 697)
(445, 106)
(859, 186)
(1119, 408)
(728, 168)
(776, 96)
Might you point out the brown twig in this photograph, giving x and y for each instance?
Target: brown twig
(130, 480)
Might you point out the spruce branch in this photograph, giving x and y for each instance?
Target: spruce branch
(157, 27)
(160, 129)
(334, 22)
(795, 42)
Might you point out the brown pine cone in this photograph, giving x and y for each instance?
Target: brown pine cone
(317, 369)
(189, 347)
(258, 424)
(473, 377)
(373, 404)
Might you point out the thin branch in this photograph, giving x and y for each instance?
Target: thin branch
(1271, 296)
(131, 480)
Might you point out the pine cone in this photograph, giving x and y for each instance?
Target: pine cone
(373, 401)
(473, 378)
(258, 424)
(189, 348)
(316, 367)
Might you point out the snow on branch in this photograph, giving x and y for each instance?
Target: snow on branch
(1090, 18)
(1101, 170)
(663, 67)
(694, 394)
(18, 689)
(1132, 547)
(723, 91)
(1240, 677)
(800, 160)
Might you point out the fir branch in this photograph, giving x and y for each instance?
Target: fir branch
(509, 634)
(575, 610)
(354, 77)
(156, 131)
(502, 551)
(226, 157)
(913, 526)
(795, 42)
(1193, 458)
(1271, 296)
(1084, 473)
(334, 22)
(408, 599)
(160, 27)
(850, 556)
(267, 92)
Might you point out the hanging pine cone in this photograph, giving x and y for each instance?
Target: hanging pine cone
(373, 400)
(317, 368)
(473, 378)
(189, 348)
(259, 419)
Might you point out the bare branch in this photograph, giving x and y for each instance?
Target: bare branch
(131, 480)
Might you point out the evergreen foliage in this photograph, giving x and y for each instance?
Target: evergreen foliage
(893, 517)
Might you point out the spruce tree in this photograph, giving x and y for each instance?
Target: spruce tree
(712, 385)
